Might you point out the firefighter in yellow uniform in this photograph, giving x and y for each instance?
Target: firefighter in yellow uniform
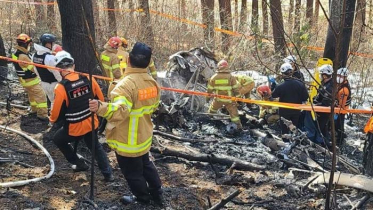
(129, 130)
(28, 79)
(267, 114)
(246, 85)
(123, 54)
(224, 83)
(152, 69)
(111, 62)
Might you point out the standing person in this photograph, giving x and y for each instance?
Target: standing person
(123, 54)
(129, 130)
(324, 98)
(290, 91)
(224, 83)
(28, 79)
(71, 105)
(49, 78)
(343, 102)
(152, 69)
(111, 62)
(292, 60)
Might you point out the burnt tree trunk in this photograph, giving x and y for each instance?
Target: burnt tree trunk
(309, 12)
(297, 15)
(51, 18)
(146, 29)
(368, 155)
(111, 18)
(342, 11)
(317, 12)
(243, 15)
(3, 63)
(75, 36)
(265, 18)
(359, 28)
(277, 27)
(290, 18)
(207, 7)
(225, 11)
(255, 16)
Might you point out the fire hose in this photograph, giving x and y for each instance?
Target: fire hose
(28, 181)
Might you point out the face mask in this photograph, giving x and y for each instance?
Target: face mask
(340, 80)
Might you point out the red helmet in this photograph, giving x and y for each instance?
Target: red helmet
(264, 90)
(222, 64)
(57, 48)
(114, 42)
(23, 38)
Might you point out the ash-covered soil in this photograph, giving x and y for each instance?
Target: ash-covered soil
(187, 184)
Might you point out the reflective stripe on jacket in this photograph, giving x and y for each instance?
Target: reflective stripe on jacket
(223, 83)
(111, 62)
(123, 56)
(152, 69)
(62, 102)
(25, 72)
(244, 80)
(129, 130)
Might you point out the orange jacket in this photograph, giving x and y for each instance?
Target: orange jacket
(80, 128)
(343, 96)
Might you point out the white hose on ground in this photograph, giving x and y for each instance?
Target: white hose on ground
(28, 181)
(15, 105)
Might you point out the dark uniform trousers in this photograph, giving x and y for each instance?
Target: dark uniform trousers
(142, 176)
(339, 128)
(62, 140)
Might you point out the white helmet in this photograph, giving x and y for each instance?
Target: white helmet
(343, 72)
(326, 69)
(285, 67)
(63, 59)
(290, 59)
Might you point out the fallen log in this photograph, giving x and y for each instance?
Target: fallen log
(182, 139)
(360, 203)
(225, 200)
(356, 181)
(220, 159)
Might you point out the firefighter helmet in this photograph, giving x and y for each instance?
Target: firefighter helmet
(24, 38)
(57, 48)
(124, 42)
(47, 38)
(326, 69)
(290, 59)
(63, 59)
(222, 64)
(114, 42)
(285, 68)
(343, 72)
(264, 90)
